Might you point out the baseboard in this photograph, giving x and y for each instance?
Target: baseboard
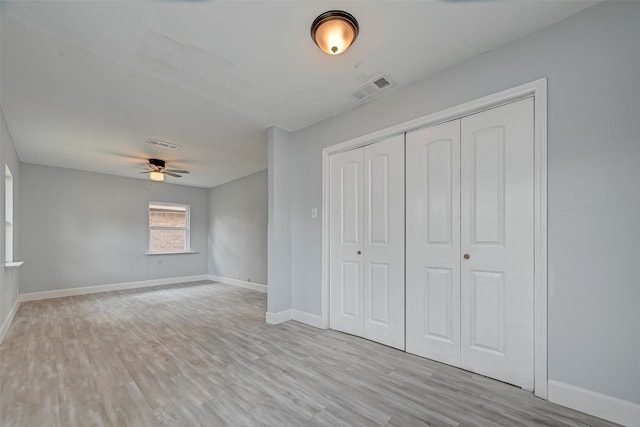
(7, 322)
(249, 285)
(308, 319)
(297, 315)
(278, 317)
(601, 405)
(59, 293)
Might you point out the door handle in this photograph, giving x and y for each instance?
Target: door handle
(359, 252)
(466, 256)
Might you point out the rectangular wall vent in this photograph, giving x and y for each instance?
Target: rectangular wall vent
(163, 144)
(372, 88)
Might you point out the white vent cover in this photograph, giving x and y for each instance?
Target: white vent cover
(372, 88)
(164, 144)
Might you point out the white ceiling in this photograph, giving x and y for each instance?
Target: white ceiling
(83, 84)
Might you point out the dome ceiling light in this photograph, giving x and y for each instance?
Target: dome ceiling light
(334, 31)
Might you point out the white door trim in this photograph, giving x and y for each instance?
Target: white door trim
(537, 89)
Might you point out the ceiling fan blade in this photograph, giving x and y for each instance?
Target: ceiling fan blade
(172, 174)
(140, 167)
(177, 170)
(147, 171)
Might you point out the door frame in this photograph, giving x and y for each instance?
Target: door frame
(536, 89)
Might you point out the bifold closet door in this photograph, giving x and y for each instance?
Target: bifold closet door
(433, 242)
(470, 212)
(346, 242)
(367, 242)
(384, 242)
(497, 243)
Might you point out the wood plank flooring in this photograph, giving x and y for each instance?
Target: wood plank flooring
(200, 354)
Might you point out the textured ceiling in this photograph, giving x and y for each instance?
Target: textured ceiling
(83, 84)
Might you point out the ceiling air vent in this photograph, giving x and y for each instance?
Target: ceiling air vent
(372, 88)
(164, 144)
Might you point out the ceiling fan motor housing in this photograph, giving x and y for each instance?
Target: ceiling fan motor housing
(157, 162)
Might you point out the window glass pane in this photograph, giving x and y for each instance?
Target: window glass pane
(167, 216)
(167, 240)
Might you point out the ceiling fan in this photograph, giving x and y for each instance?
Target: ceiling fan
(157, 170)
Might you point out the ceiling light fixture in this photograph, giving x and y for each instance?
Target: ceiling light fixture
(156, 176)
(334, 31)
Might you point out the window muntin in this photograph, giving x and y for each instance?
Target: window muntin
(168, 227)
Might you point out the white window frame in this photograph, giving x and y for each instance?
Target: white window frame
(187, 228)
(8, 214)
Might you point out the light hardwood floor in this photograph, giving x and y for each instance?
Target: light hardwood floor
(200, 354)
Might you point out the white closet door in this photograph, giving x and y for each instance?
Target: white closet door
(497, 235)
(433, 242)
(346, 242)
(384, 242)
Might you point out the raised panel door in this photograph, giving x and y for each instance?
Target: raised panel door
(346, 240)
(384, 242)
(433, 242)
(497, 243)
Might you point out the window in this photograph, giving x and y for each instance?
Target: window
(8, 214)
(168, 227)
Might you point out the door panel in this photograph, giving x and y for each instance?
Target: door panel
(350, 304)
(346, 233)
(497, 234)
(487, 312)
(378, 193)
(487, 192)
(433, 242)
(384, 242)
(438, 322)
(350, 187)
(379, 301)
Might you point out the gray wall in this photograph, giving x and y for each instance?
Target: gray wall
(9, 278)
(592, 61)
(238, 229)
(279, 226)
(86, 229)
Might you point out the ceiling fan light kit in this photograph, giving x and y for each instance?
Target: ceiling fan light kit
(334, 31)
(157, 170)
(156, 176)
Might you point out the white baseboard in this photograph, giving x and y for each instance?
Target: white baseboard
(249, 285)
(59, 293)
(297, 315)
(7, 322)
(601, 405)
(308, 319)
(278, 317)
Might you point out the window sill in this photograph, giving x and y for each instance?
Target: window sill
(13, 264)
(171, 253)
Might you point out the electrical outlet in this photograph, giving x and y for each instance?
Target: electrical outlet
(314, 213)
